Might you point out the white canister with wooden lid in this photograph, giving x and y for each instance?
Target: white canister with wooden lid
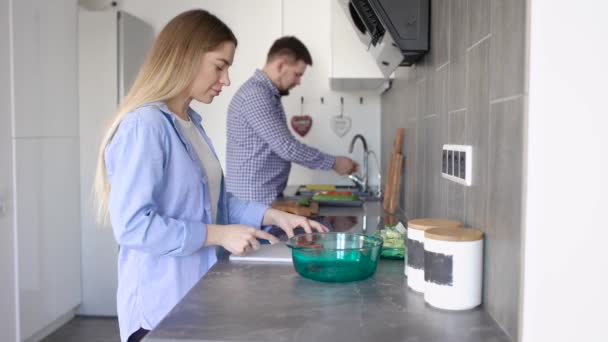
(453, 267)
(414, 267)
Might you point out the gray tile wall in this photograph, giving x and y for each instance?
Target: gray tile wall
(468, 90)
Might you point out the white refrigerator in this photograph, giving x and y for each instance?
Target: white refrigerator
(112, 48)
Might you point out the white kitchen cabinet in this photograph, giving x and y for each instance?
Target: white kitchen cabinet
(352, 66)
(46, 67)
(8, 303)
(48, 241)
(39, 226)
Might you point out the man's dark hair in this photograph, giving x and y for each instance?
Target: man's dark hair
(290, 47)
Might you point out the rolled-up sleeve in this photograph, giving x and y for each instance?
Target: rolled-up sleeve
(245, 212)
(137, 156)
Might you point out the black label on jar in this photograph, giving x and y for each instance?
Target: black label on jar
(415, 254)
(438, 268)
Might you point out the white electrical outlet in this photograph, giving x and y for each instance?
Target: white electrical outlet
(457, 163)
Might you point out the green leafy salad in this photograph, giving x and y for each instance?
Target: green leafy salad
(393, 236)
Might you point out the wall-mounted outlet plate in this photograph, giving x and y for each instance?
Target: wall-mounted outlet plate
(457, 163)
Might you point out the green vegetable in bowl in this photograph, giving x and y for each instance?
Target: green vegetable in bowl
(392, 238)
(394, 241)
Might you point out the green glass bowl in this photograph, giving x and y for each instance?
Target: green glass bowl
(335, 257)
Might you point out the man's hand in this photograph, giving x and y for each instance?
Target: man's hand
(345, 166)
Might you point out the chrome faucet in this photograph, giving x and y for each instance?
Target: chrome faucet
(362, 180)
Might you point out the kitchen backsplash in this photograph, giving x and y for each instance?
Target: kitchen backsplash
(469, 90)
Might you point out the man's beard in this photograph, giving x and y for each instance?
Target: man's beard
(283, 92)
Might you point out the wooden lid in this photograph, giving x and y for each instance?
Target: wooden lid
(453, 234)
(427, 223)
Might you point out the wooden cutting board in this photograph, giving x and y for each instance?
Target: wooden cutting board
(393, 181)
(292, 206)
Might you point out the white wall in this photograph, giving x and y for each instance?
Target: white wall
(565, 264)
(8, 294)
(257, 24)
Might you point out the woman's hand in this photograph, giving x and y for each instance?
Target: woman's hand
(289, 222)
(238, 239)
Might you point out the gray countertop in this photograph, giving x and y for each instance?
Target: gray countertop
(261, 301)
(271, 302)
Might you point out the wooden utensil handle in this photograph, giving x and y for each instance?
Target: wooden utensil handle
(393, 179)
(396, 184)
(389, 182)
(398, 140)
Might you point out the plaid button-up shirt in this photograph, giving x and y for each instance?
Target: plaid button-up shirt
(260, 147)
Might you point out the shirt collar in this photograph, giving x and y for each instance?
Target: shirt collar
(172, 116)
(261, 76)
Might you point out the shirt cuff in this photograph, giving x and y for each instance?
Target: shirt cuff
(328, 163)
(195, 234)
(254, 214)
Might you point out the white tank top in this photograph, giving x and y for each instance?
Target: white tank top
(210, 163)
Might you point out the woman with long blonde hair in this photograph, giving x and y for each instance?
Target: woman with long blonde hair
(159, 180)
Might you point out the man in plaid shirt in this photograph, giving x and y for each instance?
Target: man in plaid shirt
(260, 147)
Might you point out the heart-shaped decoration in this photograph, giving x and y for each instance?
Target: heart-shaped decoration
(301, 124)
(340, 125)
